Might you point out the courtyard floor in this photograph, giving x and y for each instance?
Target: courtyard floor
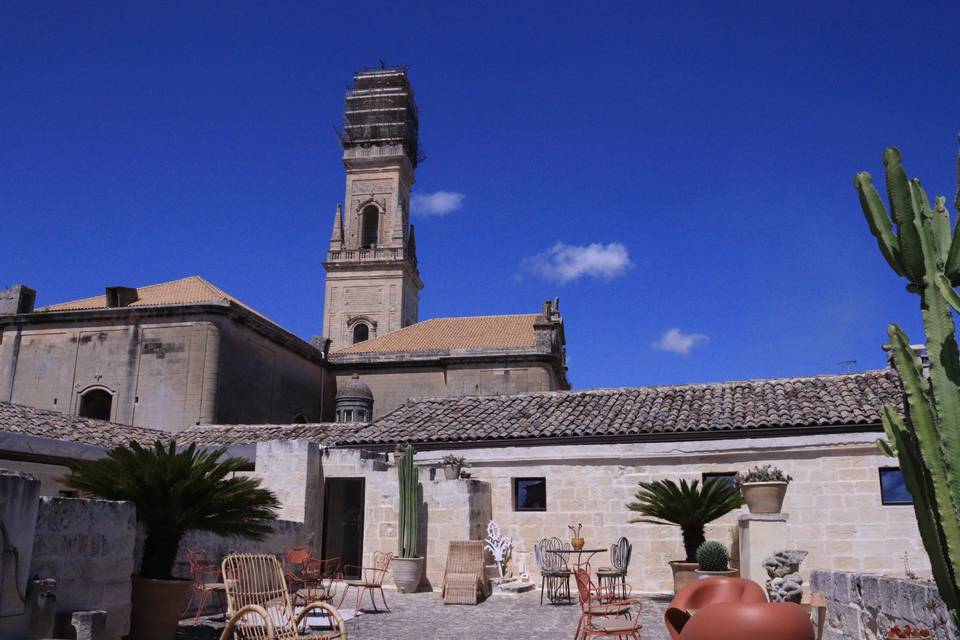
(423, 616)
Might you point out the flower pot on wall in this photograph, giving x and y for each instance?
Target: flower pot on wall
(684, 573)
(156, 607)
(451, 471)
(764, 497)
(407, 573)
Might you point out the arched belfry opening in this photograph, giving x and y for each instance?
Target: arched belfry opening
(370, 226)
(96, 404)
(361, 333)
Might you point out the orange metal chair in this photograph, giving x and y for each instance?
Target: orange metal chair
(371, 580)
(604, 612)
(699, 594)
(207, 581)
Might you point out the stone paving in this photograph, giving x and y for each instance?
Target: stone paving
(423, 616)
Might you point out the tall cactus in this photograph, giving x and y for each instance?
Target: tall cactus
(408, 477)
(927, 438)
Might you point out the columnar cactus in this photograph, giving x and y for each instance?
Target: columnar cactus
(408, 477)
(926, 438)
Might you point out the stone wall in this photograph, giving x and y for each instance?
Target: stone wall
(285, 534)
(18, 519)
(867, 605)
(88, 547)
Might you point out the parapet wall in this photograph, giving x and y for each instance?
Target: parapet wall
(863, 605)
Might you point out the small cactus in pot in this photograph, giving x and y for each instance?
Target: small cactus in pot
(714, 560)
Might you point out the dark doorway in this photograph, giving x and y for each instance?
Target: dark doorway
(343, 522)
(96, 403)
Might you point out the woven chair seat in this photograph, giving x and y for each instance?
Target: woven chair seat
(612, 609)
(461, 588)
(311, 595)
(613, 626)
(360, 583)
(609, 570)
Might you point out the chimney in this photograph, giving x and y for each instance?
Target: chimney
(121, 296)
(17, 299)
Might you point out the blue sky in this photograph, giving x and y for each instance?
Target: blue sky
(682, 166)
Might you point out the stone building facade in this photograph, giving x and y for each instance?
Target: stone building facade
(170, 355)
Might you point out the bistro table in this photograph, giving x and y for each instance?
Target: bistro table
(568, 552)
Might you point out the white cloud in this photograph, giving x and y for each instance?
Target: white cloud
(564, 262)
(438, 203)
(676, 341)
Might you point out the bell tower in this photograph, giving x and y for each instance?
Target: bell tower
(373, 284)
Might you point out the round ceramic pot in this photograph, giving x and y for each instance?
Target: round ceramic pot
(576, 543)
(407, 573)
(156, 607)
(764, 497)
(684, 573)
(729, 573)
(451, 471)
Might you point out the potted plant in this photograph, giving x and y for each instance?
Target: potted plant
(714, 560)
(689, 506)
(576, 540)
(763, 488)
(451, 466)
(407, 566)
(174, 492)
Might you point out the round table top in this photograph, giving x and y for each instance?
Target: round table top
(576, 550)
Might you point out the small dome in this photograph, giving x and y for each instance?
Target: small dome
(353, 388)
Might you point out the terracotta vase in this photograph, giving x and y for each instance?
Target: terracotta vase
(764, 497)
(156, 607)
(407, 573)
(684, 573)
(577, 543)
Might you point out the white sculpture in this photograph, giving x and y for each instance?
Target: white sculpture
(499, 545)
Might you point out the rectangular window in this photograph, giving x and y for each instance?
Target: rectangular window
(729, 477)
(529, 494)
(893, 490)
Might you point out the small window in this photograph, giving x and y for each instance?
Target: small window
(371, 220)
(529, 494)
(299, 419)
(729, 478)
(893, 489)
(96, 404)
(361, 332)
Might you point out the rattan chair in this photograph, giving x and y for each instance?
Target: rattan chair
(554, 573)
(371, 580)
(259, 606)
(616, 574)
(463, 576)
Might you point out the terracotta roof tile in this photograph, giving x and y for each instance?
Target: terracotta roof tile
(230, 434)
(16, 418)
(734, 407)
(451, 334)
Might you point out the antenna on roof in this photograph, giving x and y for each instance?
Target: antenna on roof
(848, 364)
(383, 65)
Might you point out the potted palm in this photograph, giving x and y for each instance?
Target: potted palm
(689, 506)
(407, 566)
(174, 492)
(452, 466)
(714, 560)
(763, 488)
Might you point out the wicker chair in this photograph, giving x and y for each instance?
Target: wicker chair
(259, 603)
(463, 576)
(616, 574)
(554, 573)
(206, 581)
(371, 580)
(602, 613)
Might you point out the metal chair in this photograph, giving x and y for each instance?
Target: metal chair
(259, 603)
(602, 613)
(554, 572)
(616, 574)
(371, 580)
(206, 581)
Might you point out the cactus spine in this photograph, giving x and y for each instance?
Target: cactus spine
(407, 476)
(926, 438)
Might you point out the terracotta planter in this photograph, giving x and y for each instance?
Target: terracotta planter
(451, 471)
(729, 573)
(764, 497)
(156, 608)
(684, 573)
(407, 573)
(576, 543)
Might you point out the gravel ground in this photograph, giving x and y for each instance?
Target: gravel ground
(423, 616)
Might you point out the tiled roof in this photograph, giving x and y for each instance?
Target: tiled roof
(672, 411)
(231, 434)
(451, 334)
(189, 290)
(16, 418)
